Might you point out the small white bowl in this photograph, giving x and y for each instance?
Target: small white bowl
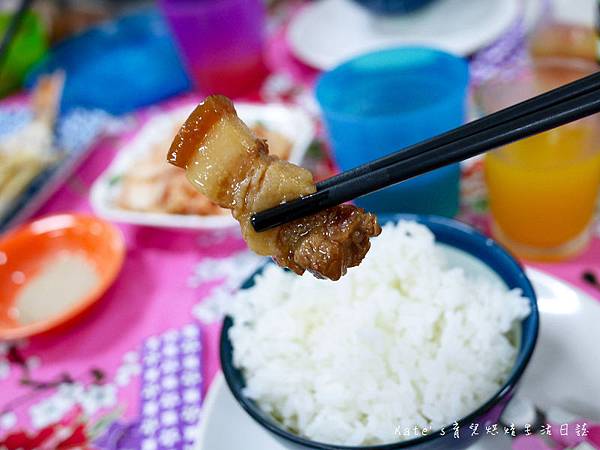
(292, 122)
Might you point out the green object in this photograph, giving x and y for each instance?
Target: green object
(27, 48)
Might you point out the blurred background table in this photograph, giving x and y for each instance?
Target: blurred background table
(94, 379)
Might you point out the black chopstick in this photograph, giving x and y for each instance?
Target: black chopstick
(373, 176)
(12, 29)
(538, 103)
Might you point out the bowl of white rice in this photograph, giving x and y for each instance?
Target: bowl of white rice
(426, 338)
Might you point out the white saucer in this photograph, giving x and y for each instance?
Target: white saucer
(564, 372)
(328, 32)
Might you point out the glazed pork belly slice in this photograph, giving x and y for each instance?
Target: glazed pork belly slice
(227, 163)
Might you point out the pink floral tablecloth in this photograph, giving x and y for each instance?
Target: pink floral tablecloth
(123, 375)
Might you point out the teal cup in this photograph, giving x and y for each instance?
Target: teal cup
(382, 102)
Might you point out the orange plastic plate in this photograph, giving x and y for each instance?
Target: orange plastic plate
(25, 251)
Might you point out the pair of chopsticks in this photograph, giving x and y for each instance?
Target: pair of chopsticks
(557, 107)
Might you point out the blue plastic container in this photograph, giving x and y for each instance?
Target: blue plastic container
(381, 102)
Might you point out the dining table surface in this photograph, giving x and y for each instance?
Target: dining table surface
(134, 369)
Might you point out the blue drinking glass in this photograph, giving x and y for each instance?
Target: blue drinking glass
(384, 101)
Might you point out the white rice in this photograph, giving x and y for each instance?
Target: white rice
(399, 342)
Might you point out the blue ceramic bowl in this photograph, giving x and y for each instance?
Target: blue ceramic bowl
(486, 251)
(393, 6)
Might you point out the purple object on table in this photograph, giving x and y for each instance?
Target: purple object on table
(171, 389)
(220, 41)
(120, 436)
(508, 56)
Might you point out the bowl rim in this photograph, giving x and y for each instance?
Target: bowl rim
(458, 228)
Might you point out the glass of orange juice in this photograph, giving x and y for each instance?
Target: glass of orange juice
(543, 190)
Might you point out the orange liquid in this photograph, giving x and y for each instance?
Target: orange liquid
(543, 189)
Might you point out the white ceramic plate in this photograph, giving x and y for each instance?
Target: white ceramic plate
(564, 371)
(328, 32)
(292, 122)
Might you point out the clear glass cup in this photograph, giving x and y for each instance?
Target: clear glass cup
(543, 190)
(221, 42)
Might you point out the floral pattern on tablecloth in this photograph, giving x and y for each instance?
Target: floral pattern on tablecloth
(85, 408)
(65, 409)
(226, 276)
